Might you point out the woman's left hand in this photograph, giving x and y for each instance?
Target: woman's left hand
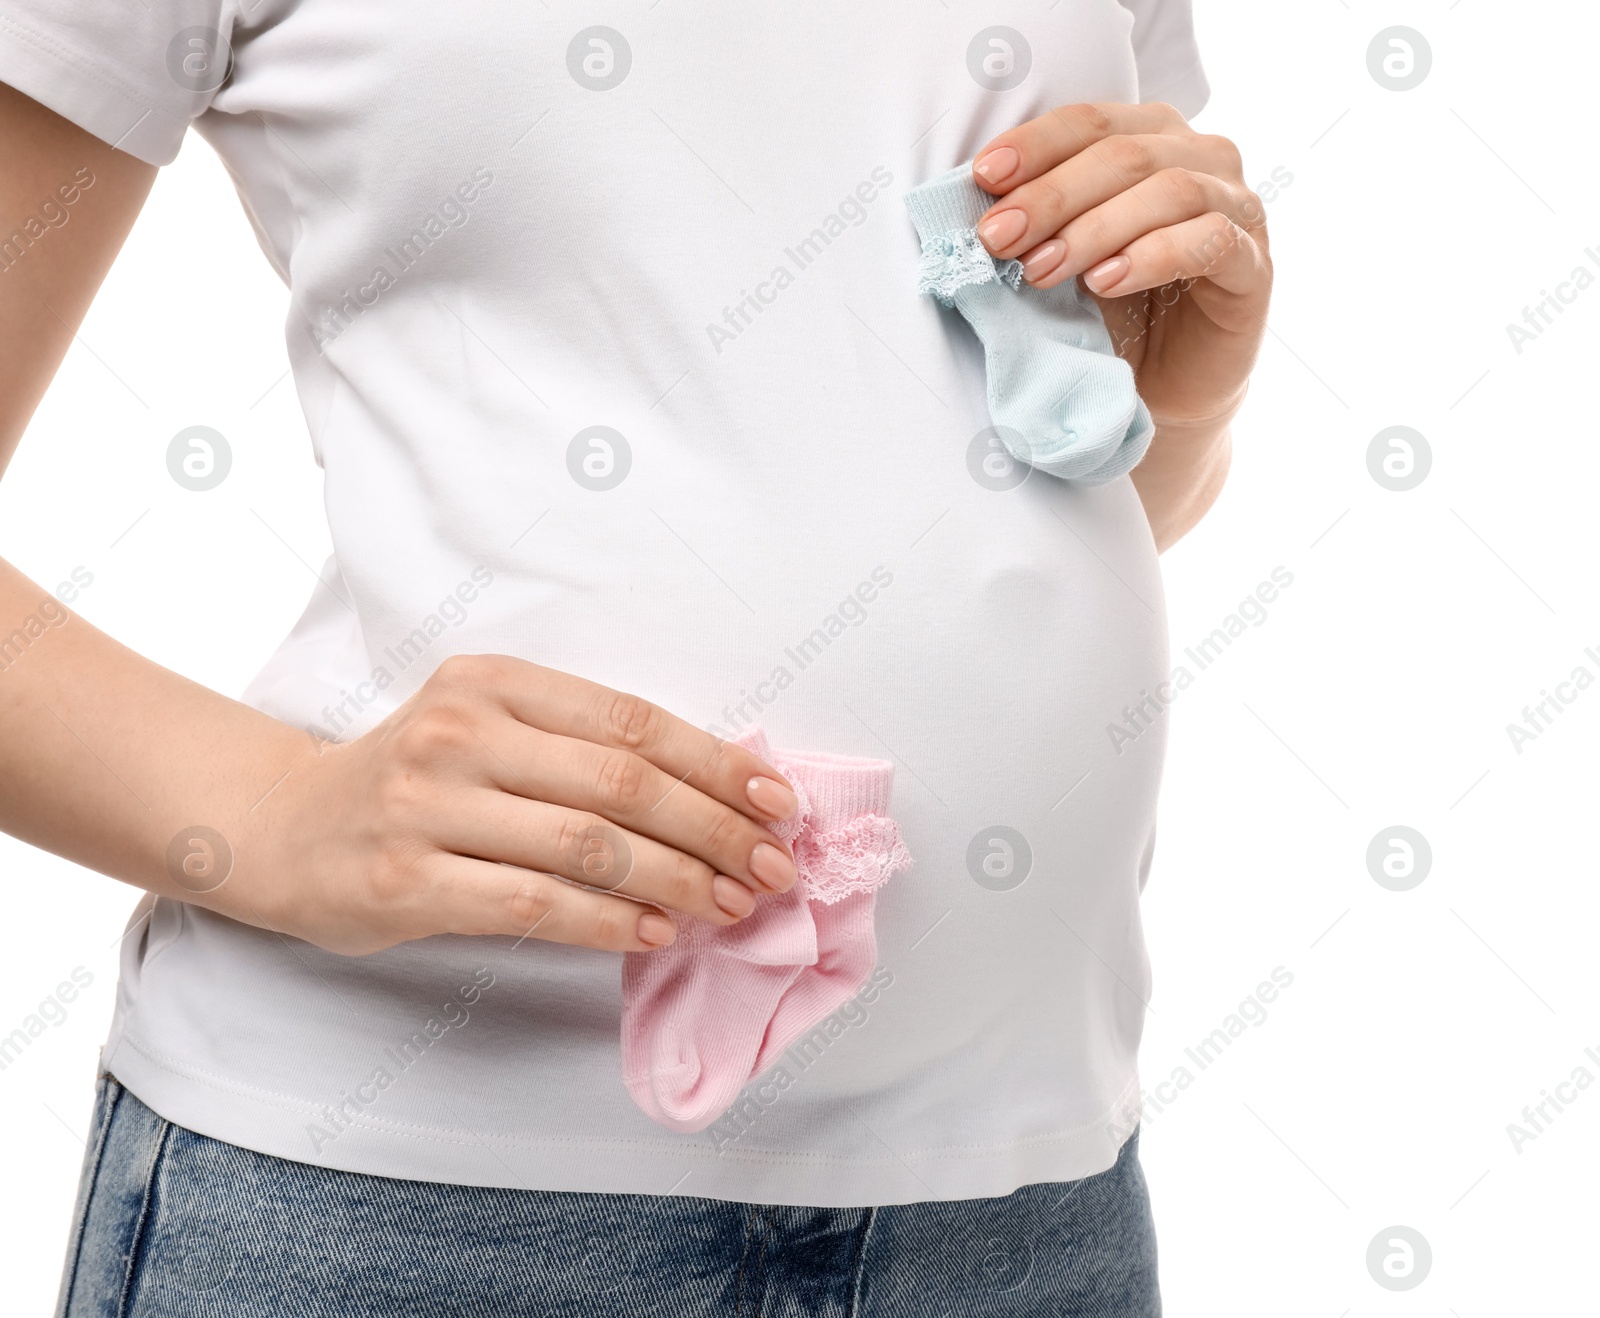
(1158, 220)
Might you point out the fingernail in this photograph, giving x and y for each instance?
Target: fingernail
(1003, 229)
(1108, 274)
(656, 930)
(772, 798)
(997, 165)
(732, 896)
(1044, 260)
(772, 867)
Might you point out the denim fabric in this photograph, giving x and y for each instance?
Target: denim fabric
(171, 1224)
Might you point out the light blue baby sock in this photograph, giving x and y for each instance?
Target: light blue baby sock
(1060, 398)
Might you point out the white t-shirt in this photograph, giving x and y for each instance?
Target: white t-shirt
(607, 335)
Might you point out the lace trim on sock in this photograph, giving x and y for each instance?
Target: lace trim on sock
(858, 857)
(959, 260)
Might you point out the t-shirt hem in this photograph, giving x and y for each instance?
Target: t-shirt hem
(87, 92)
(279, 1125)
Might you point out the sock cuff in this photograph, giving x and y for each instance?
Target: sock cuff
(944, 211)
(833, 789)
(843, 838)
(947, 204)
(839, 788)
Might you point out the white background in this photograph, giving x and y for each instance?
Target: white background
(1379, 1088)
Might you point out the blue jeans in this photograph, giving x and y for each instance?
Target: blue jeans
(171, 1224)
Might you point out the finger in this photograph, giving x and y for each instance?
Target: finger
(467, 896)
(574, 707)
(1022, 154)
(1232, 271)
(584, 848)
(1169, 198)
(627, 789)
(1038, 209)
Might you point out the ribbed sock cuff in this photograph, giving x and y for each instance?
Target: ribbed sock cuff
(834, 789)
(948, 204)
(840, 787)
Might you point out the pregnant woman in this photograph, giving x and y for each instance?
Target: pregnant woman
(641, 454)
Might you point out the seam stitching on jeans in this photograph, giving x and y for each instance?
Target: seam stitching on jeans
(770, 1234)
(136, 1244)
(96, 1156)
(858, 1263)
(738, 1291)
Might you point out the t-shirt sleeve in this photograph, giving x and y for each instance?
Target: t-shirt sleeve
(132, 72)
(1168, 56)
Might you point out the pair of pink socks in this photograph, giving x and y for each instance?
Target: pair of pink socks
(705, 1015)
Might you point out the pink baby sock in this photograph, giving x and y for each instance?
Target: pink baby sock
(847, 850)
(705, 1015)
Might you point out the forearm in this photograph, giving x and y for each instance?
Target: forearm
(106, 757)
(1181, 477)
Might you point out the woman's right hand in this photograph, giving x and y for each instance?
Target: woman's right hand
(455, 814)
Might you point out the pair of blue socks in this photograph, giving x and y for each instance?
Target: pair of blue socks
(1060, 398)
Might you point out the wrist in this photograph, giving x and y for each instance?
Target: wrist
(1198, 426)
(269, 832)
(1193, 432)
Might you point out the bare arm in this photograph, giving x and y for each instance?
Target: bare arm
(45, 291)
(1181, 477)
(62, 679)
(455, 815)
